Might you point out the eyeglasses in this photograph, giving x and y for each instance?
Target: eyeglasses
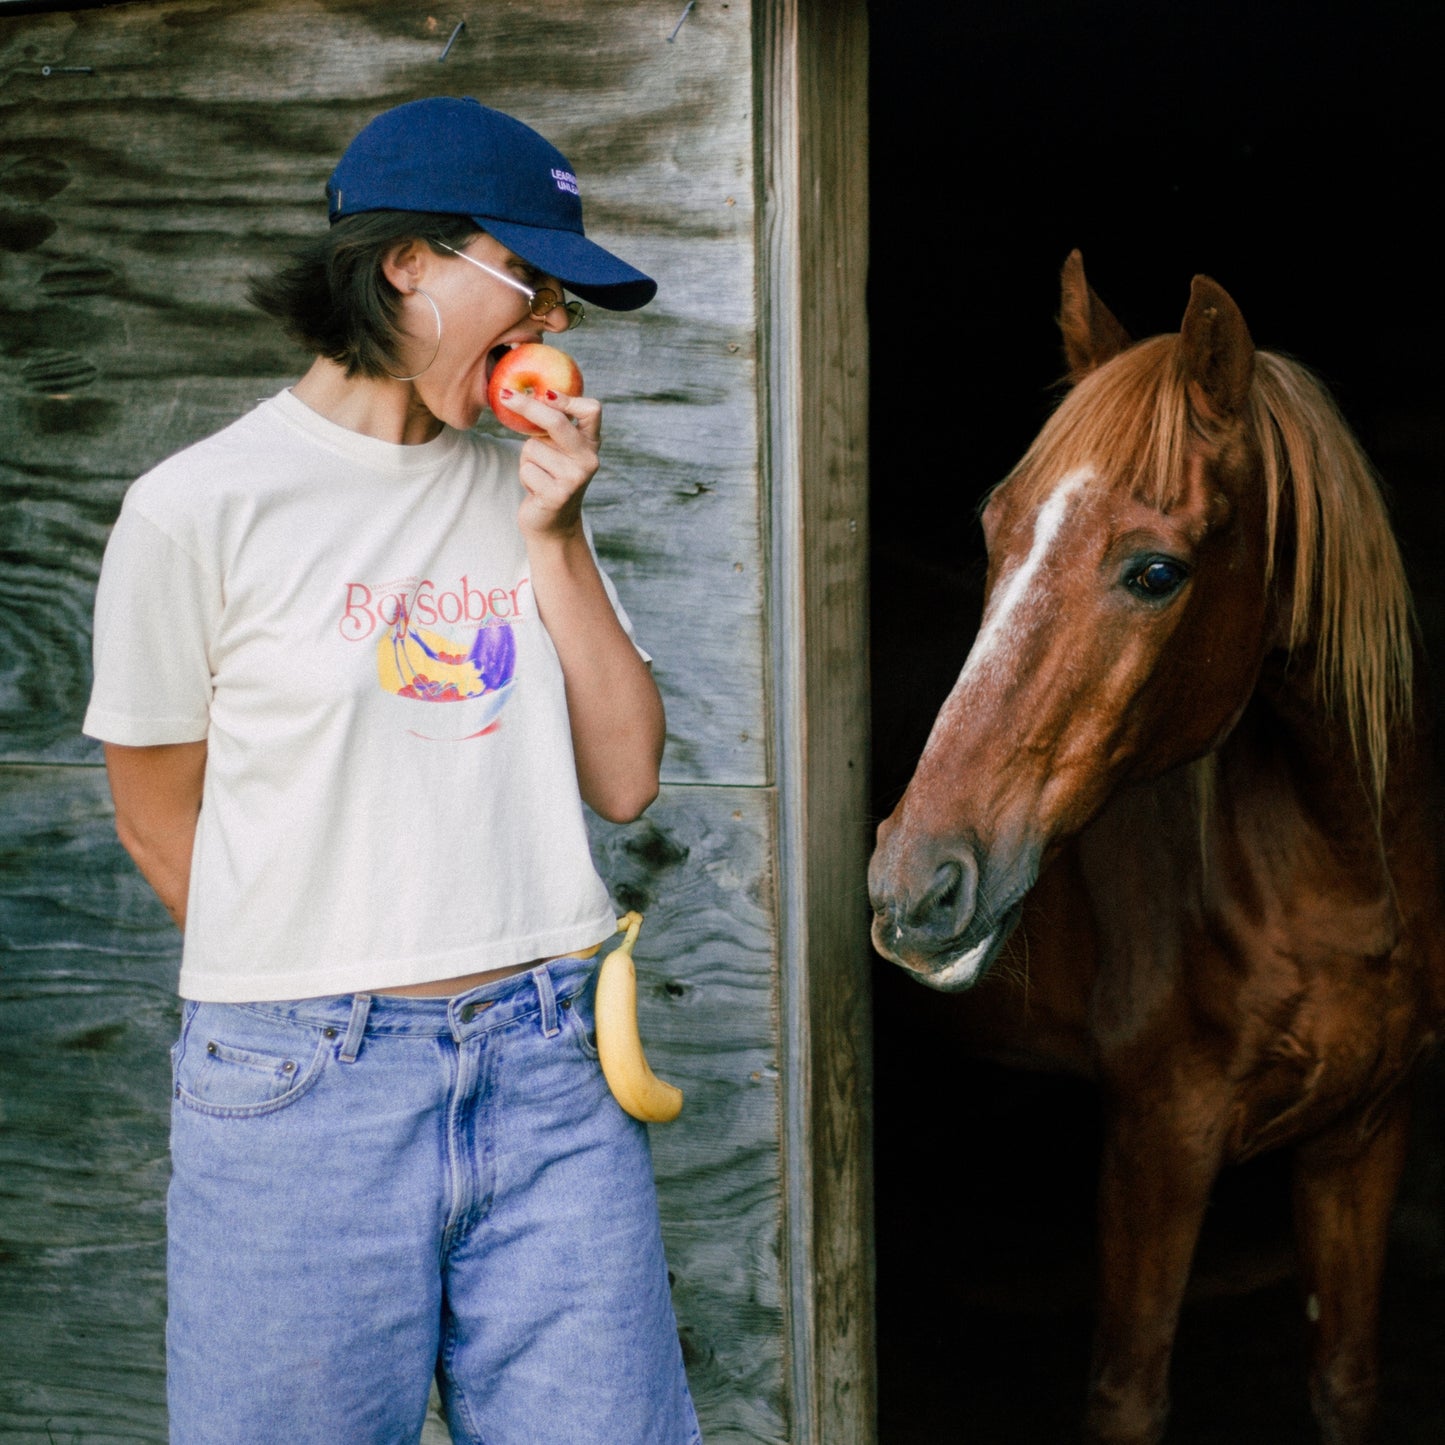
(540, 304)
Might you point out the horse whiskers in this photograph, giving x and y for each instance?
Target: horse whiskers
(1015, 969)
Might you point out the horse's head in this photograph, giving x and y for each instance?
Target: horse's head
(1125, 617)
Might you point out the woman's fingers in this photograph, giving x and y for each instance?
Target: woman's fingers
(556, 467)
(566, 419)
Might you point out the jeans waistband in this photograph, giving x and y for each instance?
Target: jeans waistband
(538, 992)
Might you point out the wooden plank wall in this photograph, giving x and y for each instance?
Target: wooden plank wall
(137, 193)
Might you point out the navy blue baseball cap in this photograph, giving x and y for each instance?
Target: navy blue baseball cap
(462, 158)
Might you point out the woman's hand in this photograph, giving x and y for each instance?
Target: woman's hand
(556, 468)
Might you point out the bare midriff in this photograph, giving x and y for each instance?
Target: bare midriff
(463, 983)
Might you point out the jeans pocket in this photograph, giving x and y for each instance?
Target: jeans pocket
(232, 1065)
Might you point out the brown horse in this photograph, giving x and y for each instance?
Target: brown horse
(1179, 800)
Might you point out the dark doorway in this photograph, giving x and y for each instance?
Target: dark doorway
(1292, 152)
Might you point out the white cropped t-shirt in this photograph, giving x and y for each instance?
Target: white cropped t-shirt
(390, 792)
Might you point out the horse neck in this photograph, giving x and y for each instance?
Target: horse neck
(1289, 744)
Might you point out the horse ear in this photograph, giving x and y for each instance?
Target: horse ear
(1217, 350)
(1092, 336)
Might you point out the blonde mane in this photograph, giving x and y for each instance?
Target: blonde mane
(1350, 602)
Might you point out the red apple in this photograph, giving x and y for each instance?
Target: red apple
(531, 370)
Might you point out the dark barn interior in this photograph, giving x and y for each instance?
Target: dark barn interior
(1292, 152)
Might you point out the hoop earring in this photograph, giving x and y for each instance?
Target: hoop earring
(436, 351)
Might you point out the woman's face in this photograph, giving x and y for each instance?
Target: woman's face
(480, 318)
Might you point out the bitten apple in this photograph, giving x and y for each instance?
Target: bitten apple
(531, 370)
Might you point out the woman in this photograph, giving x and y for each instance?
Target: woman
(356, 668)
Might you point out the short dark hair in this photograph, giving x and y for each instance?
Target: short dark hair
(332, 295)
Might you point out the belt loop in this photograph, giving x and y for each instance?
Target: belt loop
(547, 995)
(351, 1044)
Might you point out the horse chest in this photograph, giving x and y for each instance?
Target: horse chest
(1299, 1029)
(1269, 1010)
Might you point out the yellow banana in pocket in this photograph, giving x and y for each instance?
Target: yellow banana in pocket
(640, 1092)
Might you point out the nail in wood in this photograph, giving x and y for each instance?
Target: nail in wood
(681, 18)
(461, 25)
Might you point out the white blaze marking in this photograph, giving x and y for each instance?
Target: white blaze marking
(1006, 612)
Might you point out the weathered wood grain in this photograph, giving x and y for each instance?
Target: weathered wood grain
(135, 201)
(699, 867)
(88, 1011)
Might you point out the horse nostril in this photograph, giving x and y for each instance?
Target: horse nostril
(947, 883)
(948, 905)
(944, 893)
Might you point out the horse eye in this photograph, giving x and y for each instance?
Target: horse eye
(1158, 578)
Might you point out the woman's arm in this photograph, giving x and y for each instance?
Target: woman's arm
(613, 703)
(157, 794)
(616, 711)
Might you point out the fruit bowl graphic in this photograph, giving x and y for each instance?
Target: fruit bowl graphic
(445, 690)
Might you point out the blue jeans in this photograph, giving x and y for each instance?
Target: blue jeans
(369, 1192)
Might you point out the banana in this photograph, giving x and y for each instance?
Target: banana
(640, 1092)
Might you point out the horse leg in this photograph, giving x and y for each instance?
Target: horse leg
(1154, 1187)
(1343, 1195)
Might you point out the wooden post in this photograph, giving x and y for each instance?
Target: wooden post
(815, 231)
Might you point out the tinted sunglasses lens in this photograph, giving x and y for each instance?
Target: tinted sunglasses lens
(546, 301)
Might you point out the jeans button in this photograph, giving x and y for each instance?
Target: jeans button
(469, 1012)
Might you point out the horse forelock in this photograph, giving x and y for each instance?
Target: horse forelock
(1129, 424)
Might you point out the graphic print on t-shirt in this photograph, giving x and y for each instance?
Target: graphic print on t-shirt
(448, 656)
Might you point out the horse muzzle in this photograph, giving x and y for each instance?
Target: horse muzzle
(944, 919)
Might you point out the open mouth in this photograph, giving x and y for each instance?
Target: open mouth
(951, 970)
(496, 354)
